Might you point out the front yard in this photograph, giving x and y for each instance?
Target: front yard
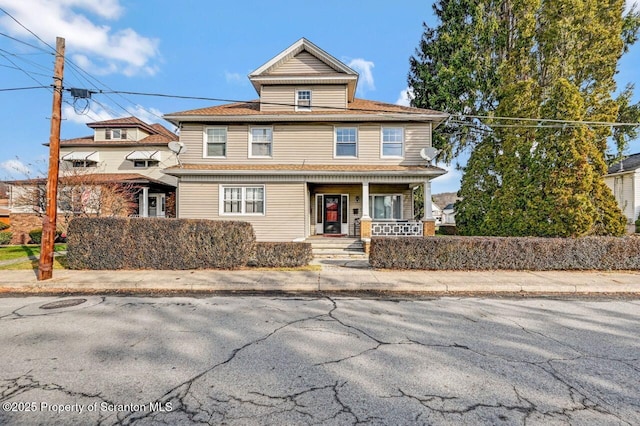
(30, 254)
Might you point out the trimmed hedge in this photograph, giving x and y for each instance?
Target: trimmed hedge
(154, 243)
(5, 237)
(274, 255)
(518, 253)
(36, 236)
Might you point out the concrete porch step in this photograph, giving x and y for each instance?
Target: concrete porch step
(341, 254)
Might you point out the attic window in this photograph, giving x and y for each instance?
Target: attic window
(115, 134)
(303, 100)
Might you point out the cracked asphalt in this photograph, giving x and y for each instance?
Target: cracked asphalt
(319, 360)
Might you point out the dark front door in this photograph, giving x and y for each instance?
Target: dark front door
(332, 220)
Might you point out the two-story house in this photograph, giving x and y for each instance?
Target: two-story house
(126, 153)
(307, 157)
(623, 178)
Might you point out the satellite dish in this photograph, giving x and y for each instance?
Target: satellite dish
(429, 153)
(177, 147)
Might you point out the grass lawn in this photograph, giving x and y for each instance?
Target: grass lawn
(59, 262)
(16, 252)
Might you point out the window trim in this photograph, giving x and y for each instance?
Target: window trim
(205, 143)
(147, 164)
(335, 141)
(243, 200)
(304, 107)
(371, 206)
(108, 134)
(402, 130)
(250, 148)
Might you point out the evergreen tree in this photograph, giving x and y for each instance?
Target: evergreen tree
(552, 60)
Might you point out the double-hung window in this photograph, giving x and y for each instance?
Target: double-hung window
(241, 200)
(385, 206)
(261, 142)
(215, 142)
(115, 134)
(303, 100)
(346, 142)
(392, 142)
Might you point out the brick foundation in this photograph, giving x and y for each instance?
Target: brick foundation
(428, 228)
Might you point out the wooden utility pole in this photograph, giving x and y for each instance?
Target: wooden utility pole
(45, 266)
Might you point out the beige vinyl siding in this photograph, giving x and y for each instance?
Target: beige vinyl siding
(416, 137)
(284, 208)
(112, 160)
(323, 97)
(301, 64)
(309, 143)
(133, 134)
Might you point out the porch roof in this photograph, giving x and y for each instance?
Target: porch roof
(304, 169)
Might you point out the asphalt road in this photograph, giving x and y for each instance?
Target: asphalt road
(319, 360)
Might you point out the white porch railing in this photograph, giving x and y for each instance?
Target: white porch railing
(396, 229)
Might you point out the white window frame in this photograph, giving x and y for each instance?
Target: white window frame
(303, 107)
(205, 142)
(335, 141)
(243, 200)
(382, 142)
(372, 210)
(147, 164)
(109, 134)
(250, 148)
(77, 164)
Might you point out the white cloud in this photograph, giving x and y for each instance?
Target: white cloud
(15, 166)
(363, 67)
(98, 113)
(405, 97)
(449, 182)
(110, 50)
(235, 77)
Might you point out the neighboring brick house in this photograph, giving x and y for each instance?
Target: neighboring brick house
(126, 155)
(308, 157)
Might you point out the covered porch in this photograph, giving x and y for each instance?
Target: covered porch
(368, 209)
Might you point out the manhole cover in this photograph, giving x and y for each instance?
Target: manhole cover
(58, 304)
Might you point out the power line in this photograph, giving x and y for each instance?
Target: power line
(24, 88)
(23, 42)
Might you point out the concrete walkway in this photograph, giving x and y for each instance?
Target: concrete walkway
(335, 275)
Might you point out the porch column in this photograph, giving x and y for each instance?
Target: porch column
(428, 222)
(144, 205)
(365, 219)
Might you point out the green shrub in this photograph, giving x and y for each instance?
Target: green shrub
(153, 243)
(516, 253)
(447, 230)
(35, 235)
(5, 237)
(638, 225)
(274, 255)
(3, 226)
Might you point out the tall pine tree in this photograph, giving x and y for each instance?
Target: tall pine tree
(549, 59)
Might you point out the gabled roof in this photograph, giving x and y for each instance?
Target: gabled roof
(630, 163)
(359, 109)
(342, 73)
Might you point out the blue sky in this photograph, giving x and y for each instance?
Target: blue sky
(193, 48)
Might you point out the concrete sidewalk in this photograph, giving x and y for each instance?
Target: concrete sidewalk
(334, 276)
